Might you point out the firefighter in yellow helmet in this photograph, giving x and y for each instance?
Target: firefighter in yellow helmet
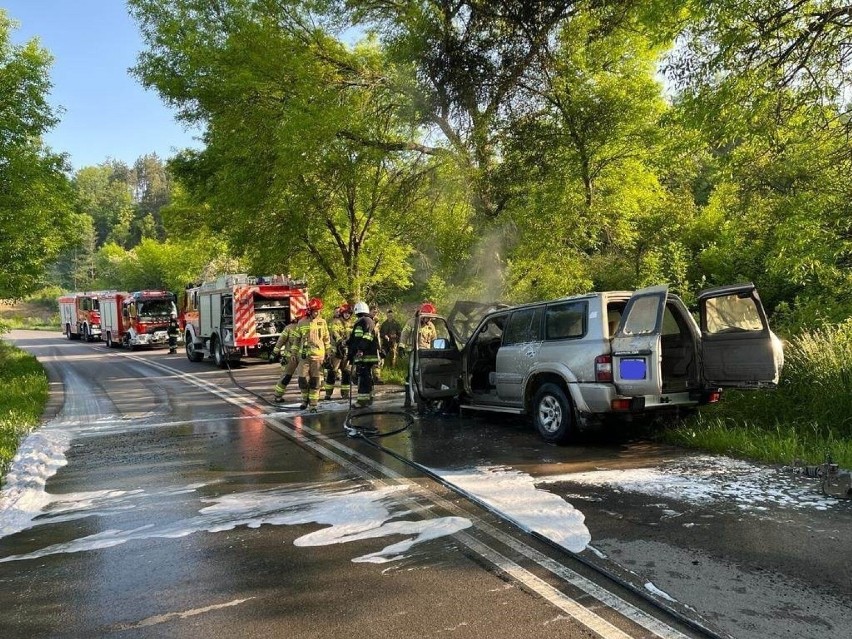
(364, 352)
(314, 345)
(287, 348)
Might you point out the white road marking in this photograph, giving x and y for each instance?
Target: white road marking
(157, 619)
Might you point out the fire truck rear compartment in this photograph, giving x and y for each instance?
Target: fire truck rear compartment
(271, 314)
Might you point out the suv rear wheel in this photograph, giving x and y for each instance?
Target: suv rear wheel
(553, 414)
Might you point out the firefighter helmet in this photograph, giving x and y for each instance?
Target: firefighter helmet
(315, 304)
(361, 308)
(345, 309)
(428, 307)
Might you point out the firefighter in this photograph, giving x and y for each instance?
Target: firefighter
(389, 333)
(364, 352)
(173, 331)
(338, 366)
(314, 345)
(421, 337)
(286, 348)
(426, 332)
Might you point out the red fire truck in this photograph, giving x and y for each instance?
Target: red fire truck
(239, 315)
(80, 315)
(136, 319)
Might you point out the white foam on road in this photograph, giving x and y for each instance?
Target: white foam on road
(514, 494)
(710, 481)
(349, 514)
(23, 496)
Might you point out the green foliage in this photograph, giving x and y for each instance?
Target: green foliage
(34, 194)
(778, 444)
(25, 392)
(153, 265)
(808, 415)
(308, 167)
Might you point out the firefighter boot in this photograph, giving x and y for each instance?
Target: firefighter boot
(280, 387)
(303, 386)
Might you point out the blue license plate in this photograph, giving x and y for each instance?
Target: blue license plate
(633, 368)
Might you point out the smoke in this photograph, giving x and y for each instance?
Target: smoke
(483, 277)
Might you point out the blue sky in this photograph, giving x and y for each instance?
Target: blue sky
(107, 113)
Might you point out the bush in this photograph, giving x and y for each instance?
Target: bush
(25, 392)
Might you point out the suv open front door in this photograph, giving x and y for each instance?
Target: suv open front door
(738, 349)
(435, 366)
(636, 346)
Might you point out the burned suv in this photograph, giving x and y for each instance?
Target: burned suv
(571, 361)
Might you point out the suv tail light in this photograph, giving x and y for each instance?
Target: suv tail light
(603, 368)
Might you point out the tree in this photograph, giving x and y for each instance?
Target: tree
(35, 199)
(151, 184)
(289, 172)
(768, 46)
(104, 193)
(156, 265)
(591, 209)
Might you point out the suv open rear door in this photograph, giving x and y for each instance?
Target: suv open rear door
(636, 346)
(435, 363)
(738, 349)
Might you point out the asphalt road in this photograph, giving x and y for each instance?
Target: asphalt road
(165, 498)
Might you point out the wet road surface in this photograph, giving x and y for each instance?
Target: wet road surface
(177, 502)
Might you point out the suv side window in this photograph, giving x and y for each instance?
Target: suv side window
(524, 326)
(566, 320)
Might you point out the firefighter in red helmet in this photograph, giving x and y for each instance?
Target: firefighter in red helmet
(314, 345)
(425, 333)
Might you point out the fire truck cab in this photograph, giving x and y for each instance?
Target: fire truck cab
(136, 319)
(239, 316)
(80, 315)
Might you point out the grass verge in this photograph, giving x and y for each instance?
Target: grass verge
(25, 392)
(806, 418)
(773, 443)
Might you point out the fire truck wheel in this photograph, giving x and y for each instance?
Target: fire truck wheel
(85, 334)
(191, 354)
(218, 353)
(68, 331)
(109, 341)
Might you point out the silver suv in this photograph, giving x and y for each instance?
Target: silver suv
(575, 360)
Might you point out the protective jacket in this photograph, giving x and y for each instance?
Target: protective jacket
(287, 342)
(364, 341)
(339, 330)
(313, 338)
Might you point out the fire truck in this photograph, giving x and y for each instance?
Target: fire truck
(80, 315)
(239, 316)
(136, 319)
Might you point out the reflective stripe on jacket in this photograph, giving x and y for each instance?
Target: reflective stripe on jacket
(364, 341)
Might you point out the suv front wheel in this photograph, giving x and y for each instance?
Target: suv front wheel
(552, 414)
